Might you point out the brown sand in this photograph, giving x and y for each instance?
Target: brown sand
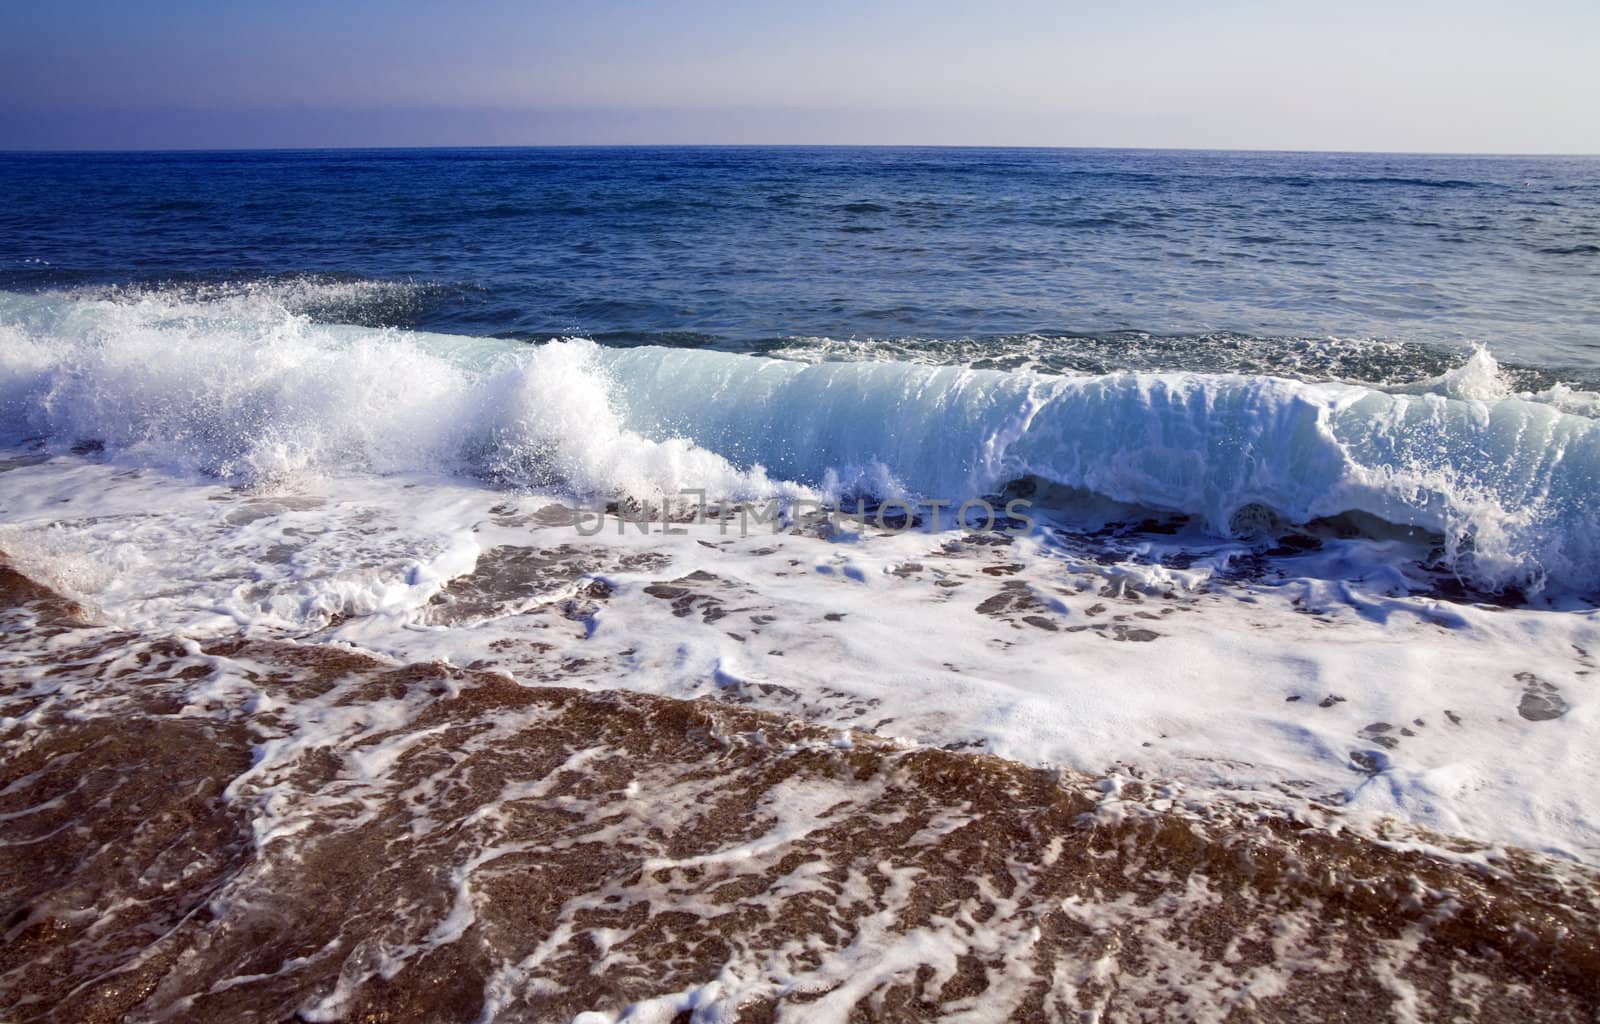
(442, 843)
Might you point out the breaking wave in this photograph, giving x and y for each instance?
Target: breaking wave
(250, 388)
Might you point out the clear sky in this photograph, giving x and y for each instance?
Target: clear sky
(1410, 75)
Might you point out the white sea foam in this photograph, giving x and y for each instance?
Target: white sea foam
(367, 521)
(247, 389)
(250, 391)
(1328, 681)
(1508, 481)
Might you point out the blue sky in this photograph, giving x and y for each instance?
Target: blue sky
(1413, 76)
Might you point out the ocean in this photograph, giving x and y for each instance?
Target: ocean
(727, 584)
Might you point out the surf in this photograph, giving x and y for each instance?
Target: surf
(248, 388)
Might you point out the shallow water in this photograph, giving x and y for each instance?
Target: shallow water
(296, 830)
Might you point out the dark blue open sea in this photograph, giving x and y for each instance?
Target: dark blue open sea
(1085, 252)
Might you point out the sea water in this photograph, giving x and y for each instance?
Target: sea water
(1274, 477)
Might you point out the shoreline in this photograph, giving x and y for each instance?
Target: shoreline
(246, 829)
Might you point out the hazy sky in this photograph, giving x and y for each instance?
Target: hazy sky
(1462, 75)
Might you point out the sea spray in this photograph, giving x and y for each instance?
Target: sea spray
(257, 392)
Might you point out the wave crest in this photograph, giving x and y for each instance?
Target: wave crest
(252, 391)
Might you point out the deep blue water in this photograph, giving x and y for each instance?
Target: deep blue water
(920, 248)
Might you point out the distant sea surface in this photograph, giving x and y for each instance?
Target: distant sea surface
(1063, 253)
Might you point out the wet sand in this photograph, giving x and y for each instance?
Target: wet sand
(266, 831)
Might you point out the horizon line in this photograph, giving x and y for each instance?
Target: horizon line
(9, 151)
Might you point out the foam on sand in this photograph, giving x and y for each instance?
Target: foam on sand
(1321, 673)
(297, 830)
